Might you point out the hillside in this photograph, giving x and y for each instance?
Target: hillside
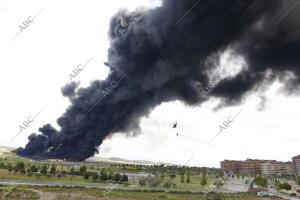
(5, 152)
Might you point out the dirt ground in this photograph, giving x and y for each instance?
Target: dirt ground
(68, 196)
(79, 196)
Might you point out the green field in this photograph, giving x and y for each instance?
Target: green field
(60, 193)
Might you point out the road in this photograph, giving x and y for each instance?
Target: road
(284, 196)
(238, 185)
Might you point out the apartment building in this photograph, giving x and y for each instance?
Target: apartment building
(251, 166)
(277, 168)
(231, 166)
(296, 161)
(254, 166)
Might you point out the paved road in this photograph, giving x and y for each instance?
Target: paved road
(237, 185)
(284, 196)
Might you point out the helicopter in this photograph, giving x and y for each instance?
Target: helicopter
(175, 125)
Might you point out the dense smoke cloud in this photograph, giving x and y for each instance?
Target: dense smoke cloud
(148, 46)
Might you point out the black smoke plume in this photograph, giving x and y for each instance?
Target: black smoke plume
(148, 46)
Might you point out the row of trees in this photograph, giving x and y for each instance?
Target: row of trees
(115, 177)
(104, 175)
(170, 169)
(20, 167)
(51, 170)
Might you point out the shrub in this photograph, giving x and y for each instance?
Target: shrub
(95, 177)
(163, 196)
(172, 176)
(117, 177)
(82, 170)
(215, 196)
(86, 176)
(154, 182)
(103, 175)
(261, 181)
(285, 186)
(203, 181)
(142, 182)
(124, 178)
(167, 184)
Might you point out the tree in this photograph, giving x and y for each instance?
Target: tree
(298, 180)
(72, 171)
(154, 182)
(2, 165)
(261, 181)
(110, 175)
(10, 167)
(167, 184)
(218, 184)
(222, 174)
(95, 177)
(82, 170)
(53, 169)
(142, 182)
(86, 176)
(215, 196)
(188, 180)
(117, 177)
(172, 176)
(44, 169)
(203, 181)
(182, 178)
(37, 176)
(285, 186)
(124, 178)
(103, 175)
(20, 166)
(33, 168)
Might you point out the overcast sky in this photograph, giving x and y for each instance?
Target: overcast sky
(38, 62)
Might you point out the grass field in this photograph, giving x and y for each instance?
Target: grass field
(61, 193)
(193, 186)
(9, 192)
